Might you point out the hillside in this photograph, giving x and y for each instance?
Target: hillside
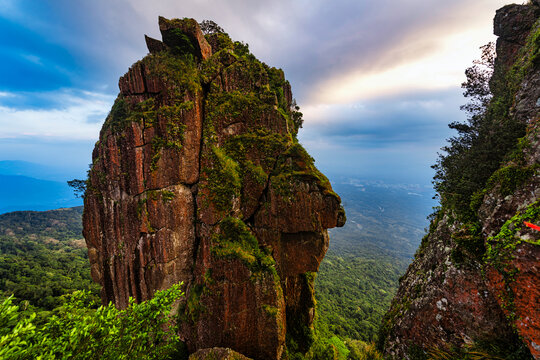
(43, 256)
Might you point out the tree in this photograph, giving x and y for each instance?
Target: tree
(209, 27)
(79, 187)
(456, 176)
(78, 330)
(483, 140)
(296, 115)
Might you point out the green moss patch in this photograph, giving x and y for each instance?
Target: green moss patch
(179, 73)
(501, 246)
(469, 243)
(223, 180)
(234, 106)
(235, 241)
(297, 165)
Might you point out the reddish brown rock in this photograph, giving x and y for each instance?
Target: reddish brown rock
(198, 177)
(189, 27)
(442, 304)
(480, 290)
(512, 24)
(519, 295)
(154, 45)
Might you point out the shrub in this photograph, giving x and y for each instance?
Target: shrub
(80, 331)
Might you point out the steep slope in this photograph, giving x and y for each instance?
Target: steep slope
(198, 177)
(474, 283)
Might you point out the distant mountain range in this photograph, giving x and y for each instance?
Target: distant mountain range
(29, 186)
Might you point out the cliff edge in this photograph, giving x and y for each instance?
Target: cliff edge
(474, 285)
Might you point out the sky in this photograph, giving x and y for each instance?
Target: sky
(377, 81)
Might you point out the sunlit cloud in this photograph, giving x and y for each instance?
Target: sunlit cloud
(429, 57)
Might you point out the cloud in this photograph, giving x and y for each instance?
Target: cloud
(418, 118)
(76, 116)
(395, 138)
(377, 81)
(427, 51)
(331, 51)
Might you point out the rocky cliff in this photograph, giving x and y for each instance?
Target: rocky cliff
(198, 178)
(474, 286)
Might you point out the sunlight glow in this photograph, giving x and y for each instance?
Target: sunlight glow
(442, 68)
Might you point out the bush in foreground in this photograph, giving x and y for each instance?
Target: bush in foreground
(79, 330)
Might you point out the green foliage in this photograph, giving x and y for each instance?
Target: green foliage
(260, 145)
(509, 178)
(470, 243)
(241, 49)
(223, 179)
(354, 293)
(178, 42)
(42, 257)
(489, 136)
(294, 164)
(234, 106)
(178, 72)
(334, 348)
(513, 349)
(321, 349)
(79, 331)
(340, 346)
(236, 241)
(501, 246)
(194, 307)
(360, 350)
(219, 41)
(118, 115)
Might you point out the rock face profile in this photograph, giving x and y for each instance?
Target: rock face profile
(476, 286)
(198, 178)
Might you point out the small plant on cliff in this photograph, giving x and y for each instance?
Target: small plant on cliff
(209, 27)
(79, 187)
(296, 115)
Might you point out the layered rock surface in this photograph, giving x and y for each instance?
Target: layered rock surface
(198, 178)
(479, 287)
